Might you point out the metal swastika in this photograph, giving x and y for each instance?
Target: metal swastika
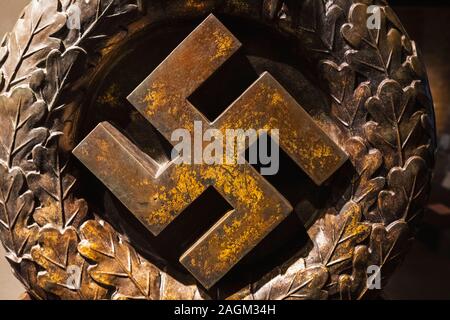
(156, 193)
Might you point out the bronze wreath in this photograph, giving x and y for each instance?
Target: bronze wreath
(380, 100)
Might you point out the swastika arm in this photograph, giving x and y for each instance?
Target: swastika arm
(156, 194)
(258, 209)
(162, 96)
(267, 105)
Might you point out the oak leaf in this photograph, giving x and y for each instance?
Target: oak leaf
(395, 121)
(16, 207)
(32, 39)
(20, 116)
(336, 236)
(406, 192)
(117, 263)
(65, 271)
(53, 186)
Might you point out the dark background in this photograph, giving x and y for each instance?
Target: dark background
(425, 273)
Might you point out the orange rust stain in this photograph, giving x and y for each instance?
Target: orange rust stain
(224, 44)
(238, 236)
(276, 99)
(235, 183)
(321, 151)
(175, 199)
(155, 98)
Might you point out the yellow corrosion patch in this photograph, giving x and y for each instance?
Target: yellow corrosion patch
(322, 155)
(276, 99)
(101, 159)
(240, 235)
(176, 198)
(226, 247)
(224, 44)
(156, 97)
(235, 183)
(321, 151)
(233, 247)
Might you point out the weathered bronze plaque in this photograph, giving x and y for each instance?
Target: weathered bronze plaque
(113, 184)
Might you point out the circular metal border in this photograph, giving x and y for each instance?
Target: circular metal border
(379, 98)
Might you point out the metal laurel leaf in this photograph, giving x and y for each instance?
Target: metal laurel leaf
(404, 198)
(387, 246)
(58, 67)
(335, 236)
(376, 51)
(65, 271)
(21, 115)
(118, 265)
(296, 283)
(316, 19)
(32, 40)
(53, 186)
(15, 208)
(348, 102)
(347, 286)
(367, 187)
(395, 121)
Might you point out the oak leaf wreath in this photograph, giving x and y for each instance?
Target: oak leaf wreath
(380, 100)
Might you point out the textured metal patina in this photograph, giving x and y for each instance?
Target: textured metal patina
(374, 104)
(156, 193)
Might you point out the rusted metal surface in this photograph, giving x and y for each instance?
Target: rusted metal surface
(158, 193)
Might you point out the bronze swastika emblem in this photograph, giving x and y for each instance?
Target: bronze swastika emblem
(156, 193)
